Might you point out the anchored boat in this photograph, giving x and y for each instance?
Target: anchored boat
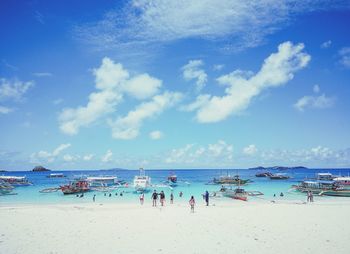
(142, 182)
(230, 180)
(56, 175)
(5, 188)
(75, 186)
(237, 193)
(279, 176)
(16, 180)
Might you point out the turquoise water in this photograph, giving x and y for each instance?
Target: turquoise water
(191, 182)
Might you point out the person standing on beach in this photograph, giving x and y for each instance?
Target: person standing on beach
(206, 197)
(162, 198)
(154, 198)
(308, 196)
(93, 198)
(142, 198)
(171, 198)
(311, 197)
(192, 202)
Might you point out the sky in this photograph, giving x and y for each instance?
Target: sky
(174, 84)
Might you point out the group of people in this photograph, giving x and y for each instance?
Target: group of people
(155, 198)
(161, 196)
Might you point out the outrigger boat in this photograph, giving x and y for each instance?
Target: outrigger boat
(172, 180)
(279, 176)
(315, 187)
(263, 174)
(230, 180)
(16, 180)
(56, 175)
(97, 181)
(6, 188)
(142, 183)
(339, 186)
(75, 186)
(237, 193)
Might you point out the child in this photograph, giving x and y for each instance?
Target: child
(192, 203)
(142, 198)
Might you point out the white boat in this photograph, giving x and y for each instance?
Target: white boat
(324, 176)
(142, 183)
(102, 181)
(56, 175)
(16, 180)
(343, 181)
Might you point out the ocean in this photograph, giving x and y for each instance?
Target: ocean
(190, 182)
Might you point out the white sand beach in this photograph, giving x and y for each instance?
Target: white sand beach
(224, 227)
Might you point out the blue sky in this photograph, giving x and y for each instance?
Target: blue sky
(174, 84)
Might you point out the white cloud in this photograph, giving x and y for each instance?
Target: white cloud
(111, 82)
(316, 88)
(142, 86)
(42, 74)
(128, 127)
(57, 101)
(88, 157)
(5, 110)
(70, 158)
(250, 150)
(218, 67)
(315, 157)
(192, 70)
(326, 44)
(156, 135)
(13, 89)
(212, 155)
(107, 157)
(344, 54)
(241, 23)
(242, 86)
(60, 148)
(48, 157)
(320, 102)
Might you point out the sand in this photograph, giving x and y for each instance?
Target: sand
(226, 227)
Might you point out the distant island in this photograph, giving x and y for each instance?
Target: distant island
(40, 168)
(1, 170)
(277, 168)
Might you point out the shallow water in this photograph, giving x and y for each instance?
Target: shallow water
(190, 182)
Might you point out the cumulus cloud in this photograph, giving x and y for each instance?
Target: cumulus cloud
(112, 81)
(142, 86)
(156, 135)
(70, 158)
(193, 70)
(88, 157)
(314, 101)
(314, 156)
(212, 155)
(344, 54)
(13, 89)
(128, 127)
(243, 86)
(48, 157)
(326, 44)
(250, 150)
(218, 67)
(107, 157)
(5, 110)
(241, 23)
